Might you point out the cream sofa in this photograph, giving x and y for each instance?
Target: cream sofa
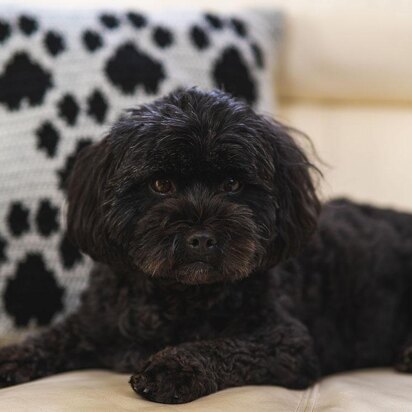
(346, 80)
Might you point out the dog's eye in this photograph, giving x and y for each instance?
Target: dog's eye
(162, 186)
(231, 185)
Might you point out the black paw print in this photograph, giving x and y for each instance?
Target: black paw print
(5, 31)
(27, 24)
(68, 108)
(33, 293)
(137, 20)
(128, 67)
(44, 220)
(238, 82)
(22, 77)
(64, 172)
(231, 71)
(19, 223)
(92, 40)
(3, 250)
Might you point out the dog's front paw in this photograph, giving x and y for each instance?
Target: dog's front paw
(18, 364)
(404, 360)
(174, 376)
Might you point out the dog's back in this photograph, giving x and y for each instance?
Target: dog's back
(357, 283)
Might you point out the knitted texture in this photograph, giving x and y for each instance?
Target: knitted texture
(64, 77)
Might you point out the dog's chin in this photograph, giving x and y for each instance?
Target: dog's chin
(197, 273)
(193, 273)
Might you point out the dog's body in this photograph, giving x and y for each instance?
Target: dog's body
(207, 283)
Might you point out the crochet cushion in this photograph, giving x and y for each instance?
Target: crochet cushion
(64, 77)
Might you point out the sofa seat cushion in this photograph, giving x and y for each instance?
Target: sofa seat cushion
(360, 391)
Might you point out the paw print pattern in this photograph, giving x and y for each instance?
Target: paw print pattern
(69, 254)
(27, 24)
(239, 83)
(110, 21)
(97, 106)
(137, 20)
(20, 70)
(68, 109)
(64, 172)
(33, 292)
(47, 218)
(239, 26)
(48, 135)
(3, 250)
(231, 71)
(45, 67)
(214, 21)
(199, 37)
(258, 55)
(48, 138)
(5, 31)
(163, 37)
(130, 67)
(18, 219)
(54, 43)
(23, 77)
(92, 40)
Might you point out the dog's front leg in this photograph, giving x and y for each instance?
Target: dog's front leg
(281, 355)
(60, 348)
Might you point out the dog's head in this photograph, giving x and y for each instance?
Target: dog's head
(196, 187)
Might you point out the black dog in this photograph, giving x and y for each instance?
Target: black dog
(215, 268)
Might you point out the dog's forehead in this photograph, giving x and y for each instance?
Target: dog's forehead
(192, 155)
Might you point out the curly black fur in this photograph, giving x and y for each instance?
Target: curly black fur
(289, 291)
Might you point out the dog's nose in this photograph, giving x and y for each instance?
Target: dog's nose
(201, 242)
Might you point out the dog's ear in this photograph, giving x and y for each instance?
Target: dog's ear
(297, 203)
(86, 200)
